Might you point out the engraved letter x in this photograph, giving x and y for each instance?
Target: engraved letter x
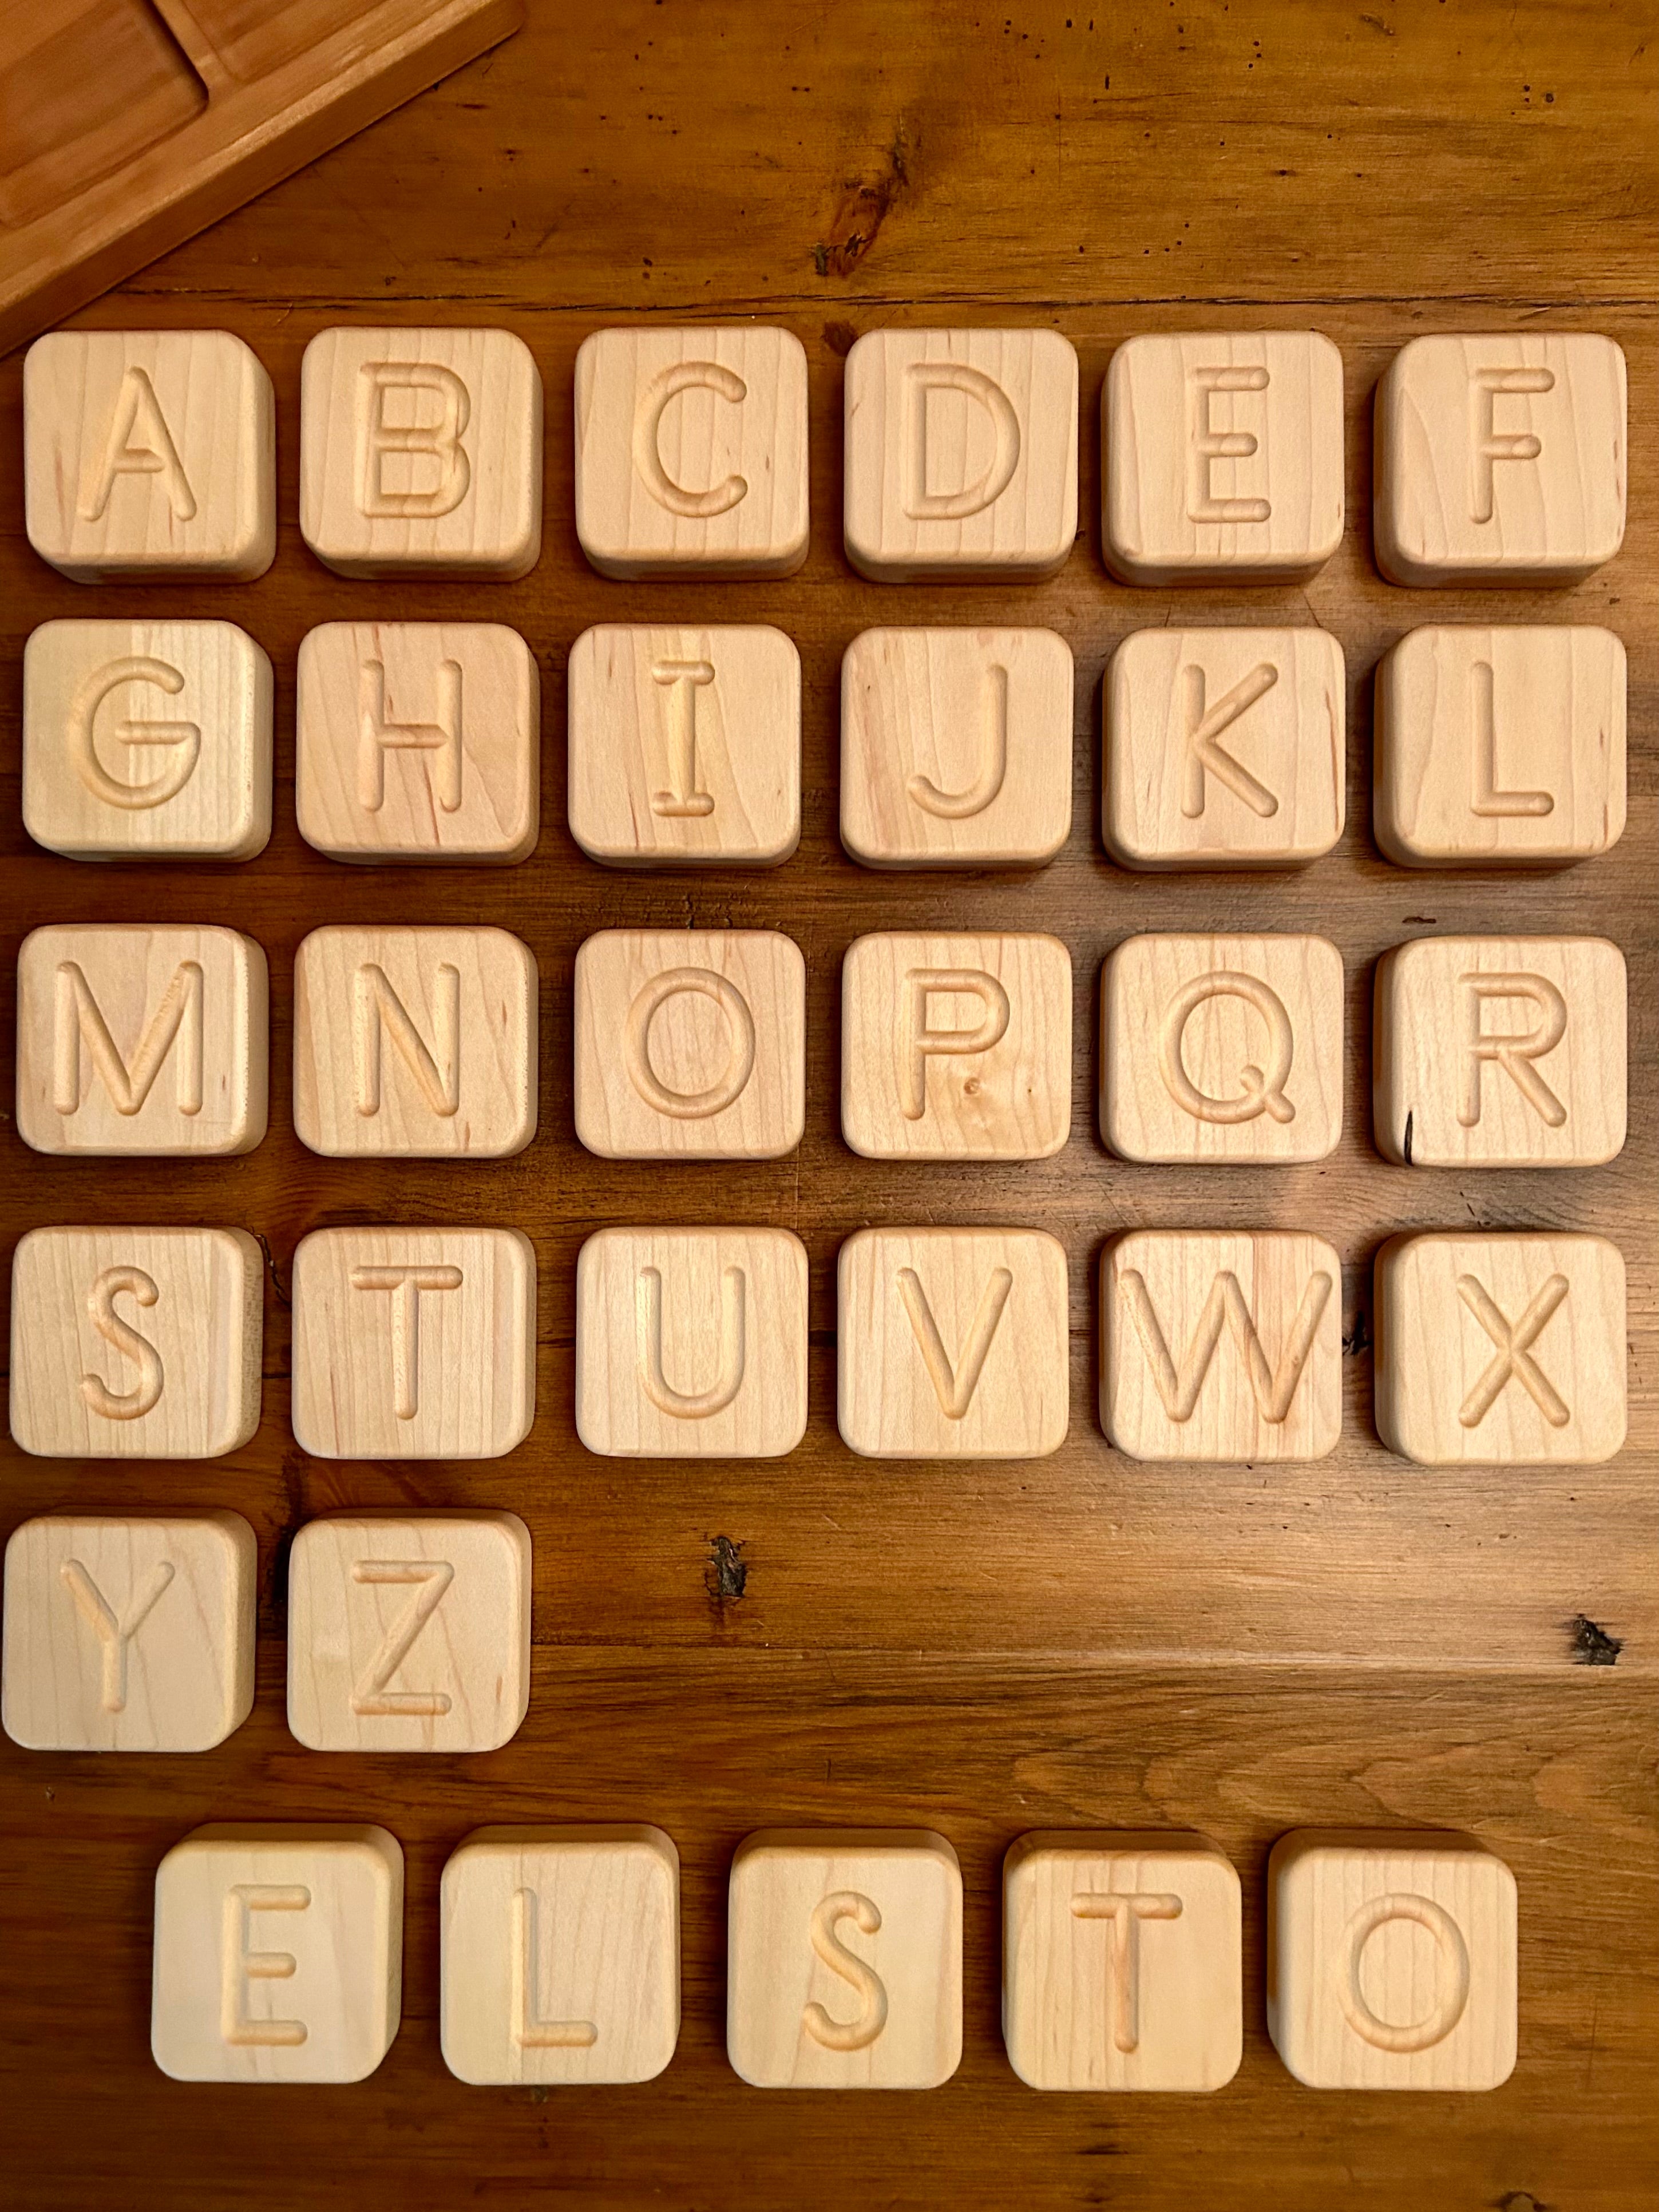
(1513, 1361)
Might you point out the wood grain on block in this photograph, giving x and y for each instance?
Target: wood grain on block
(952, 1343)
(1221, 457)
(1216, 1345)
(561, 1955)
(1122, 1963)
(691, 451)
(1501, 1349)
(844, 1967)
(415, 1043)
(956, 748)
(692, 1343)
(1500, 458)
(1391, 1961)
(956, 1047)
(129, 1632)
(278, 1954)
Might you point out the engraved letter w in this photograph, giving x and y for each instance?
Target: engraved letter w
(1274, 1387)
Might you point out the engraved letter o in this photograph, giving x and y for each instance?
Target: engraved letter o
(1453, 1983)
(690, 1105)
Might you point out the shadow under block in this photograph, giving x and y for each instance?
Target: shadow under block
(1221, 1345)
(415, 1043)
(1391, 1961)
(409, 1632)
(961, 454)
(845, 1960)
(1216, 1048)
(413, 1343)
(692, 1343)
(953, 1344)
(685, 746)
(1123, 1964)
(561, 1955)
(956, 748)
(1500, 1052)
(691, 451)
(421, 449)
(1500, 459)
(1221, 457)
(1500, 747)
(278, 1954)
(418, 741)
(956, 1047)
(129, 1632)
(1500, 1349)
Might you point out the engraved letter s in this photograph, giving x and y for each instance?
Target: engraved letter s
(122, 1405)
(851, 2034)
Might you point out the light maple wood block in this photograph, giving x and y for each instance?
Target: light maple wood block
(1221, 1049)
(961, 454)
(152, 1041)
(685, 746)
(421, 449)
(135, 1343)
(690, 1044)
(278, 1954)
(691, 451)
(418, 741)
(956, 748)
(1391, 1961)
(149, 453)
(409, 1632)
(1500, 748)
(128, 1632)
(415, 1043)
(956, 1047)
(1222, 455)
(413, 1343)
(561, 1955)
(1122, 1963)
(844, 1967)
(1225, 747)
(692, 1343)
(953, 1344)
(1500, 458)
(1500, 1052)
(1500, 1349)
(1221, 1345)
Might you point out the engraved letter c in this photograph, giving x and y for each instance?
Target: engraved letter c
(1263, 1093)
(667, 386)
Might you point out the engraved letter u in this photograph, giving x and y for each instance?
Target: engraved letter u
(692, 1405)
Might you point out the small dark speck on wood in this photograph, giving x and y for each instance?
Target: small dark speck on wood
(865, 203)
(726, 1576)
(1521, 2200)
(1593, 1646)
(1361, 1340)
(1406, 1141)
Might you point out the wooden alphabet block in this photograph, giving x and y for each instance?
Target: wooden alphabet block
(421, 449)
(1220, 1346)
(1500, 458)
(1225, 747)
(1122, 1963)
(415, 1043)
(149, 453)
(953, 1344)
(690, 1044)
(561, 1955)
(1391, 1961)
(956, 1047)
(1500, 1349)
(692, 1343)
(845, 1960)
(685, 746)
(1223, 457)
(1500, 748)
(956, 748)
(961, 454)
(279, 1953)
(129, 1632)
(691, 451)
(135, 1343)
(418, 741)
(1221, 1049)
(1500, 1052)
(413, 1343)
(152, 1041)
